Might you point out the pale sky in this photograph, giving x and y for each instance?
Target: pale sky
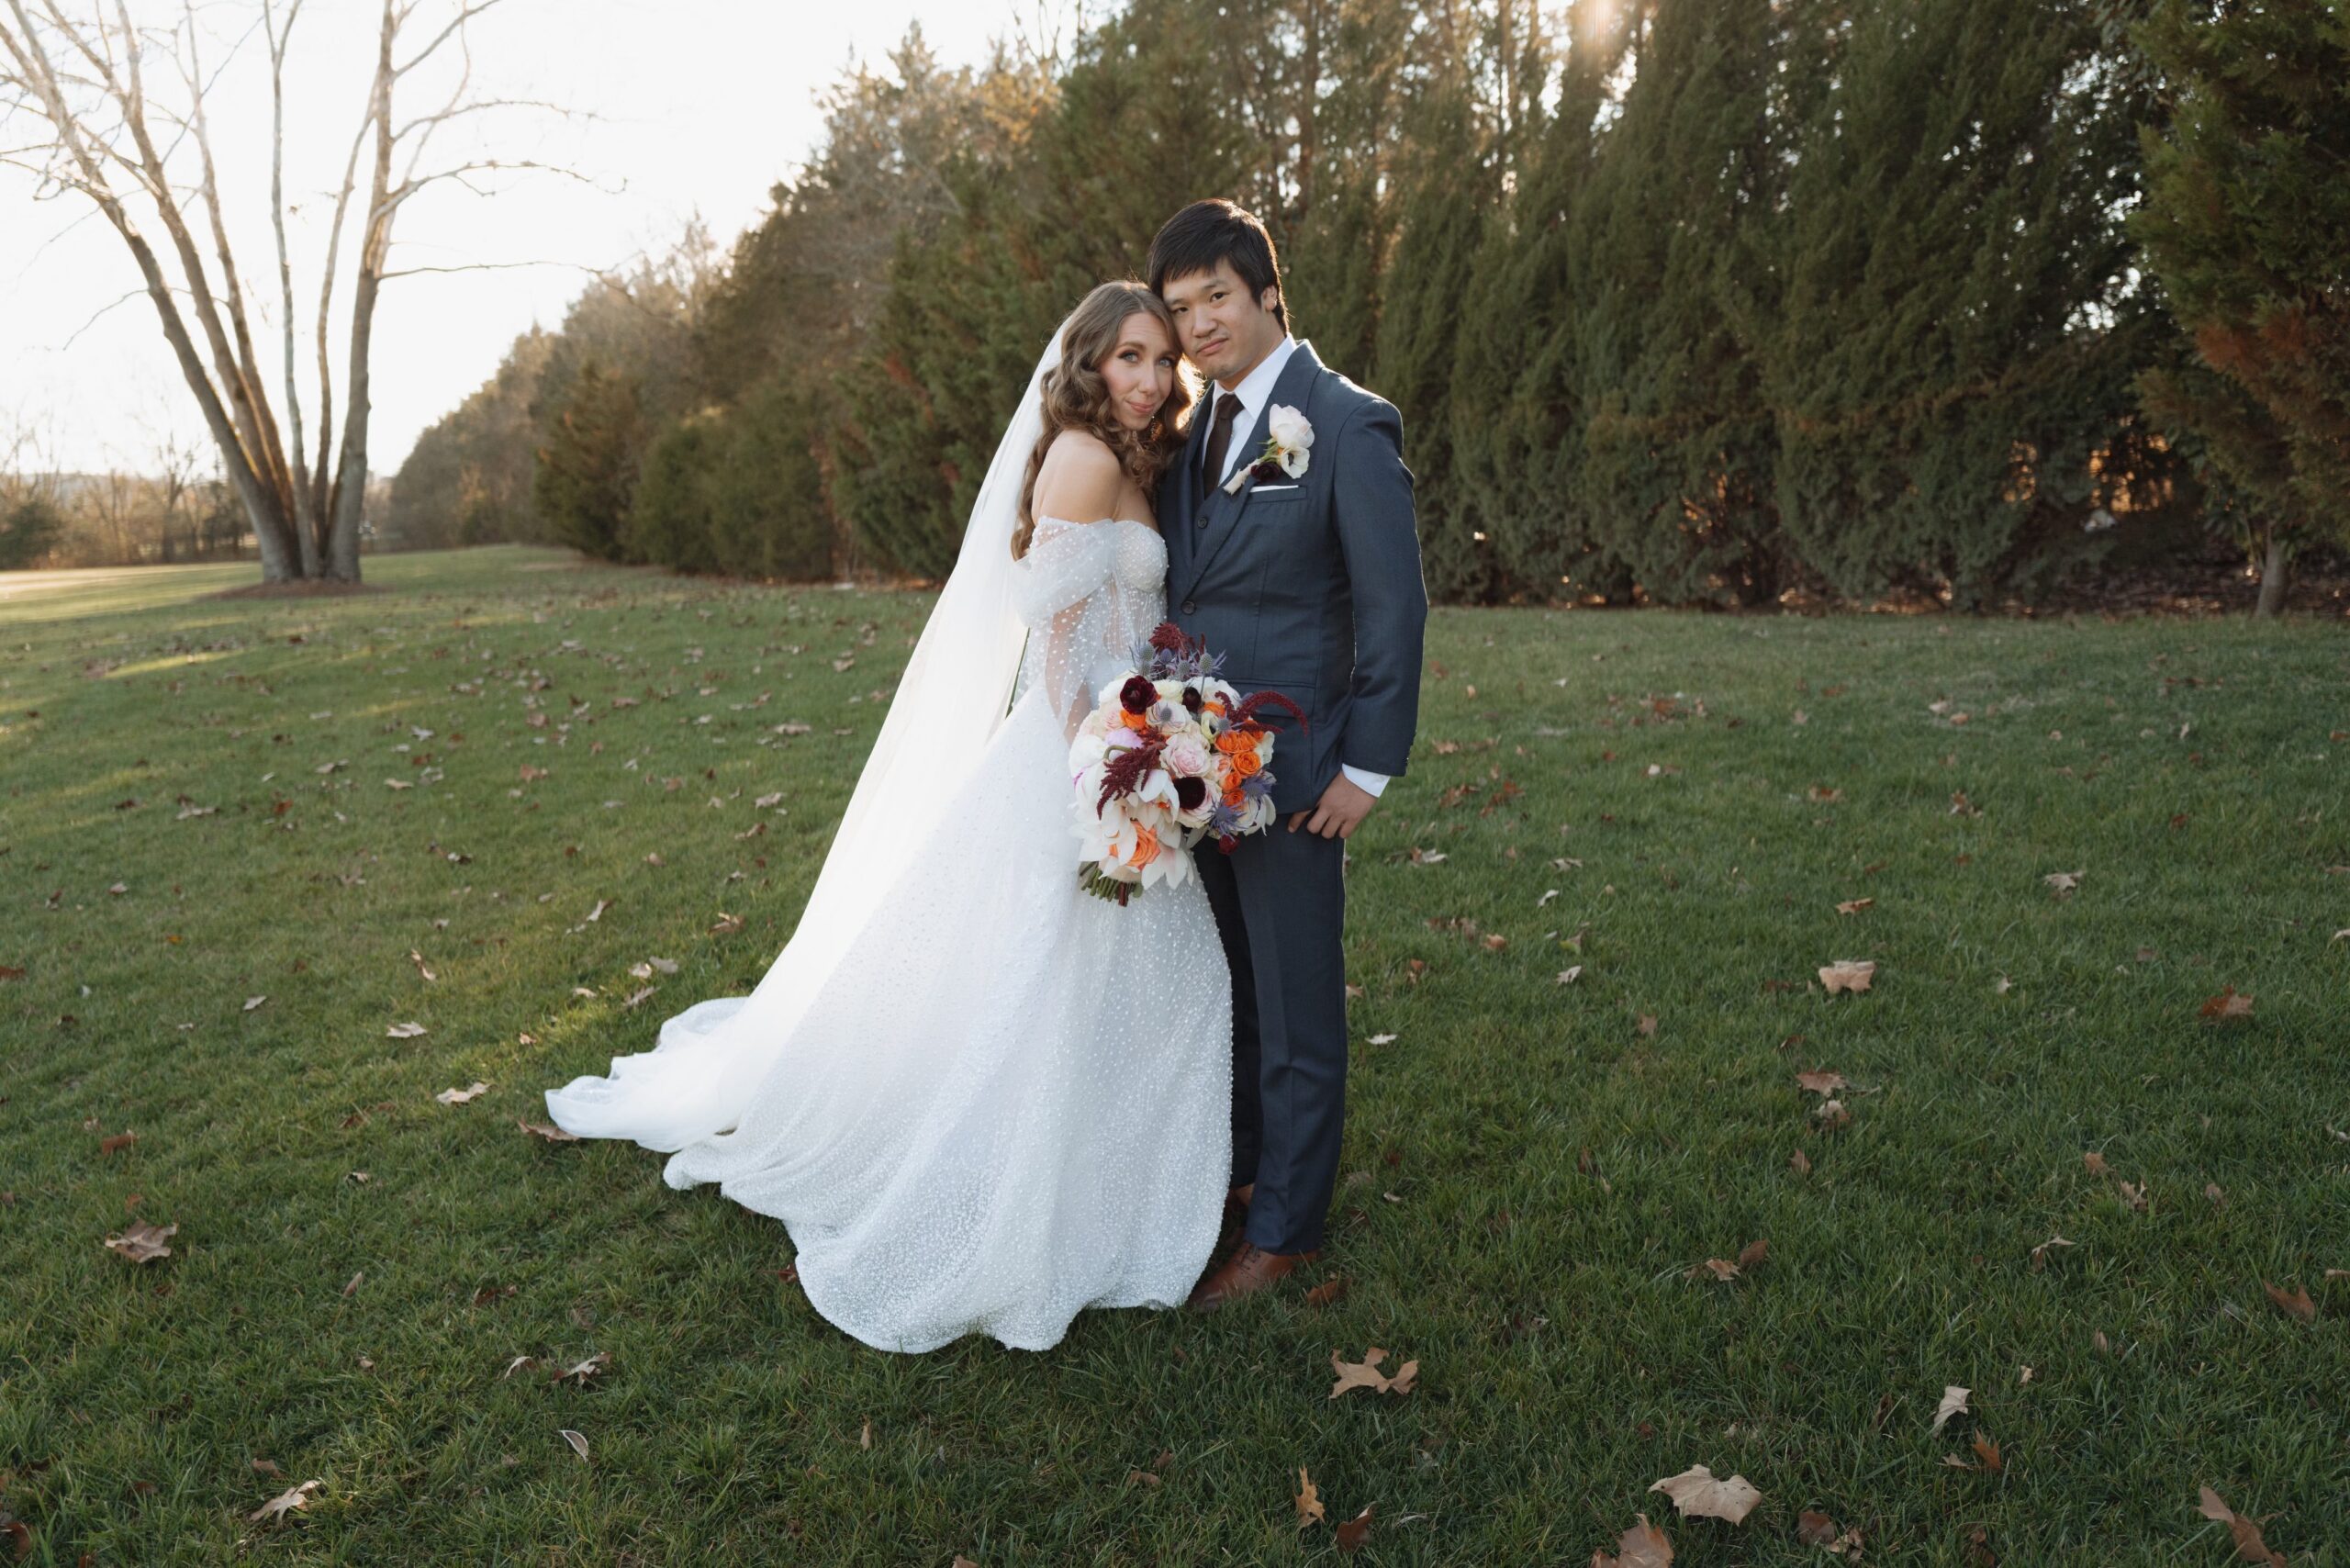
(705, 104)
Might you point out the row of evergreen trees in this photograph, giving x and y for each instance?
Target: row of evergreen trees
(1694, 301)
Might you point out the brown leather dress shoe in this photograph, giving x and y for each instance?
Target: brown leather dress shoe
(1236, 1220)
(1246, 1272)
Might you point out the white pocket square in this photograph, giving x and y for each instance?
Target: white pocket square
(1274, 489)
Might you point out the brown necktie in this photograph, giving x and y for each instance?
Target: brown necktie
(1220, 437)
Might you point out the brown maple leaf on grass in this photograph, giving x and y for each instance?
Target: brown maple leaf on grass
(1355, 1532)
(1309, 1500)
(1699, 1493)
(143, 1243)
(1365, 1373)
(2231, 1003)
(285, 1502)
(1748, 1258)
(2297, 1305)
(1642, 1546)
(2244, 1532)
(1847, 974)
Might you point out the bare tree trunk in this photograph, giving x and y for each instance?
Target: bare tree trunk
(260, 501)
(351, 464)
(2274, 567)
(91, 90)
(305, 499)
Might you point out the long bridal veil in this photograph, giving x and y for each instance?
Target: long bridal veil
(954, 693)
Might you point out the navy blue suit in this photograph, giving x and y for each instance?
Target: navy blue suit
(1312, 588)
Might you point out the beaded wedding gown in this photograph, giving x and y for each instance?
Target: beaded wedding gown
(1002, 1100)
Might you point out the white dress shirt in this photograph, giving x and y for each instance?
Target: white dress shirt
(1255, 390)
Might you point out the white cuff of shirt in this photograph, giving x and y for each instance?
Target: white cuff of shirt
(1371, 783)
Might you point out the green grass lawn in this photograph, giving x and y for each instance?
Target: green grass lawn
(457, 776)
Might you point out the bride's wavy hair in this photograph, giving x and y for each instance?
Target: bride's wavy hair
(1077, 397)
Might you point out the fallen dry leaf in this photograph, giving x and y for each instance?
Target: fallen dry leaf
(552, 1135)
(1821, 1082)
(1365, 1373)
(285, 1502)
(2298, 1304)
(1328, 1292)
(1699, 1493)
(404, 1031)
(1815, 1529)
(459, 1096)
(2229, 1003)
(1847, 974)
(578, 1443)
(143, 1243)
(1355, 1532)
(1854, 906)
(1799, 1162)
(1642, 1546)
(120, 1141)
(1309, 1500)
(1988, 1453)
(2095, 1162)
(1953, 1404)
(2245, 1534)
(1832, 1116)
(2061, 883)
(2040, 1253)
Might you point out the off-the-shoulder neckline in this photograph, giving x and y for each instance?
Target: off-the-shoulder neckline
(1097, 523)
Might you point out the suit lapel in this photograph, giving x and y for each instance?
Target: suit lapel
(1293, 387)
(1178, 523)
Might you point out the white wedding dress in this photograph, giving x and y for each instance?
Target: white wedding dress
(993, 1100)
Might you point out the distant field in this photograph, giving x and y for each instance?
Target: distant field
(241, 842)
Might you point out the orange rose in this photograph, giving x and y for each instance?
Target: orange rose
(1145, 848)
(1246, 763)
(1235, 798)
(1231, 741)
(1135, 722)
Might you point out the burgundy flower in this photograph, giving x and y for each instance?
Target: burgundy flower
(1138, 694)
(1191, 699)
(1190, 792)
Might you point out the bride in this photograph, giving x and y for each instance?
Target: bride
(980, 1099)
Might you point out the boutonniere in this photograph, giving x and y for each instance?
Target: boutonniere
(1288, 437)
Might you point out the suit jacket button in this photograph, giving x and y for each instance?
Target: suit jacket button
(1200, 521)
(1191, 607)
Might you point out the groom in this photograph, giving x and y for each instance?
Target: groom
(1293, 550)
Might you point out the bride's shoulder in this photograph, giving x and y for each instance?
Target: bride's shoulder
(1080, 478)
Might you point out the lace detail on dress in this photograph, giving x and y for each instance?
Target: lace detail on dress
(1089, 592)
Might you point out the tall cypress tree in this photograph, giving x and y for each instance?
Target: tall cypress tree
(1956, 332)
(1447, 192)
(586, 474)
(1674, 469)
(1516, 407)
(2246, 225)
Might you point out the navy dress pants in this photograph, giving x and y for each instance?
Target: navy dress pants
(1280, 899)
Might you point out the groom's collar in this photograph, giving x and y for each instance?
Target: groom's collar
(1256, 387)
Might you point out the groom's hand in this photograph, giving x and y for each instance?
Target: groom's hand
(1338, 812)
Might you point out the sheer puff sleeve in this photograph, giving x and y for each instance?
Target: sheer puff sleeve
(1062, 589)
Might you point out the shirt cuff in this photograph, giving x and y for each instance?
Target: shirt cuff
(1371, 783)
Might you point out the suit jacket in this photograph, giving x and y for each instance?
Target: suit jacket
(1313, 587)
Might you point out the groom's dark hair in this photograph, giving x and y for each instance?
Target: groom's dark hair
(1207, 232)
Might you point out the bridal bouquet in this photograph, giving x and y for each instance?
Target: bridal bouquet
(1170, 757)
